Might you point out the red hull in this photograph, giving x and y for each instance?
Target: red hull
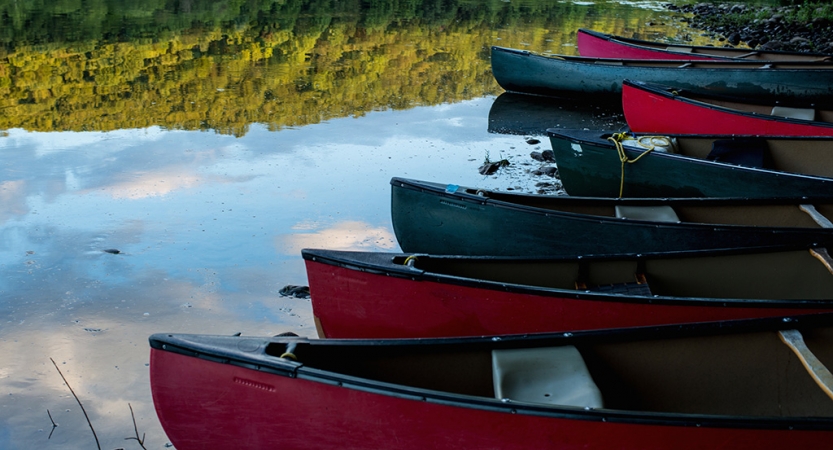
(650, 112)
(354, 304)
(596, 47)
(209, 405)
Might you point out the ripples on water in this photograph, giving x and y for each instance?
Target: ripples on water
(208, 145)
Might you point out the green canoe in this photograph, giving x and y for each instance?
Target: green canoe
(439, 218)
(590, 165)
(557, 75)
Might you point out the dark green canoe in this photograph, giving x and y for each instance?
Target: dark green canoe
(589, 165)
(530, 73)
(448, 219)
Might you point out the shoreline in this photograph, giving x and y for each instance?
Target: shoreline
(803, 28)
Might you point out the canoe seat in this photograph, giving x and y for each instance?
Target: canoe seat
(549, 375)
(663, 213)
(794, 113)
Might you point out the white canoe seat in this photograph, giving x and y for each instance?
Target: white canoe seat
(794, 113)
(663, 213)
(549, 375)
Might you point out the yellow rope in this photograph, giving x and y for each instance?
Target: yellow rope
(653, 142)
(409, 259)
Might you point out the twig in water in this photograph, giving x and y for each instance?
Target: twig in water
(136, 429)
(79, 403)
(54, 425)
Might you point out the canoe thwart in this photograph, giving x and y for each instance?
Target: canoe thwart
(823, 222)
(662, 213)
(821, 375)
(549, 375)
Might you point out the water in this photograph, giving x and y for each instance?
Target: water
(163, 168)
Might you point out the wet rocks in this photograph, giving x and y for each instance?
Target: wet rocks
(545, 156)
(763, 28)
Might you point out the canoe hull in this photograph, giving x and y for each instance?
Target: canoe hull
(525, 72)
(590, 167)
(600, 45)
(432, 218)
(208, 403)
(352, 300)
(596, 46)
(649, 111)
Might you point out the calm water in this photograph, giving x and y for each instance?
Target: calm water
(208, 144)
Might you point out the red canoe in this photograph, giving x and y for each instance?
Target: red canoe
(593, 44)
(731, 385)
(388, 295)
(651, 108)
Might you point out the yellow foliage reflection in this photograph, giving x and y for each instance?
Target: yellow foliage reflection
(281, 63)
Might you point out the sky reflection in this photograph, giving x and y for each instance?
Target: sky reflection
(208, 228)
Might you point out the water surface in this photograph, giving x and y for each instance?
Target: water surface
(165, 162)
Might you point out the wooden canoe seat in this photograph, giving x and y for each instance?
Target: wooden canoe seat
(652, 213)
(794, 113)
(549, 375)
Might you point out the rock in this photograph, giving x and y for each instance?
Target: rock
(548, 171)
(773, 45)
(734, 38)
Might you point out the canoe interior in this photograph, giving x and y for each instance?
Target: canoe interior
(803, 156)
(749, 214)
(740, 53)
(788, 275)
(821, 115)
(750, 374)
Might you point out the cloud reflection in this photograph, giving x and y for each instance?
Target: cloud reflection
(347, 235)
(12, 200)
(157, 184)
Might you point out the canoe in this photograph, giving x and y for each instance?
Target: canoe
(393, 295)
(652, 108)
(573, 76)
(696, 166)
(726, 385)
(521, 114)
(457, 220)
(594, 44)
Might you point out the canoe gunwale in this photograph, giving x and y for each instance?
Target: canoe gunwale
(742, 66)
(437, 189)
(262, 362)
(684, 95)
(383, 265)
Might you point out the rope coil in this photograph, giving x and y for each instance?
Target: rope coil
(652, 143)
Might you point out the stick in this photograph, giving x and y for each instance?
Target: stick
(136, 429)
(54, 425)
(79, 403)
